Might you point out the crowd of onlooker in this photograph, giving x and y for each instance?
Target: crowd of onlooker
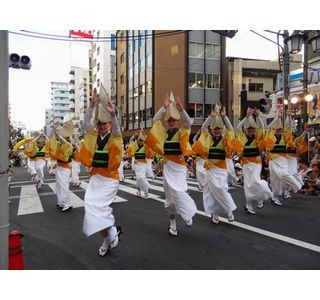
(309, 168)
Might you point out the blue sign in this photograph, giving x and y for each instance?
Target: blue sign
(113, 41)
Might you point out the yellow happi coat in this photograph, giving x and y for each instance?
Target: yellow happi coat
(157, 137)
(134, 151)
(113, 147)
(258, 143)
(203, 144)
(32, 150)
(295, 145)
(58, 151)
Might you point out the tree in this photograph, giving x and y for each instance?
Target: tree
(15, 135)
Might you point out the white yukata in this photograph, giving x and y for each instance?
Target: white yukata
(177, 201)
(201, 172)
(100, 194)
(216, 198)
(62, 186)
(75, 170)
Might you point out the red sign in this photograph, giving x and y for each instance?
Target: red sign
(88, 34)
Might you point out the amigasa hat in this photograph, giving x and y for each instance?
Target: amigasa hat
(216, 122)
(250, 122)
(101, 114)
(67, 129)
(172, 111)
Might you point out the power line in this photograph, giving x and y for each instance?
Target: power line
(39, 35)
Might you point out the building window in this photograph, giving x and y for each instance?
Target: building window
(149, 61)
(195, 80)
(122, 58)
(122, 79)
(212, 51)
(207, 109)
(256, 87)
(191, 109)
(199, 110)
(196, 50)
(149, 86)
(212, 81)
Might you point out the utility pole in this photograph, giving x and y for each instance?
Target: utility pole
(4, 140)
(305, 83)
(286, 72)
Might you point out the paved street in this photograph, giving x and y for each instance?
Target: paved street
(276, 238)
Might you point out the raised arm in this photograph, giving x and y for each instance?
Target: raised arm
(226, 119)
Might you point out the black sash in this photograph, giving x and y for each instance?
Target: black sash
(102, 142)
(216, 140)
(171, 133)
(250, 140)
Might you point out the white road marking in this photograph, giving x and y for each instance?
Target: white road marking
(75, 200)
(29, 200)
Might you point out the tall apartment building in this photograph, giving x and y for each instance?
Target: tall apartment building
(60, 102)
(48, 121)
(150, 64)
(103, 58)
(78, 95)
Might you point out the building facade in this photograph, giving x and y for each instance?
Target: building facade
(151, 64)
(78, 95)
(60, 102)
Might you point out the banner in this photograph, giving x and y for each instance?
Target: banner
(87, 34)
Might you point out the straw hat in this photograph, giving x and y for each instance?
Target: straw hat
(41, 139)
(172, 111)
(250, 122)
(216, 122)
(101, 114)
(67, 129)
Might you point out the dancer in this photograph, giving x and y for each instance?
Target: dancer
(101, 151)
(250, 143)
(139, 152)
(37, 160)
(59, 148)
(275, 143)
(216, 146)
(173, 144)
(295, 147)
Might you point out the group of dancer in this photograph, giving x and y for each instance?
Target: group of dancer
(102, 152)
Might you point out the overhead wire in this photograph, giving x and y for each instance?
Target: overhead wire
(40, 35)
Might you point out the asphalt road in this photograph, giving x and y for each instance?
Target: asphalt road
(276, 238)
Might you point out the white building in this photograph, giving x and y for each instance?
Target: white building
(60, 102)
(104, 62)
(78, 95)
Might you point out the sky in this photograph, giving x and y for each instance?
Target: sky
(29, 90)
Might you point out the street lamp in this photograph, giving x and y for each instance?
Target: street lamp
(295, 42)
(315, 42)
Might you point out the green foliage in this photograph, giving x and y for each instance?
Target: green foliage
(15, 135)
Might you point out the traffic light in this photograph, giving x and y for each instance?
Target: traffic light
(19, 62)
